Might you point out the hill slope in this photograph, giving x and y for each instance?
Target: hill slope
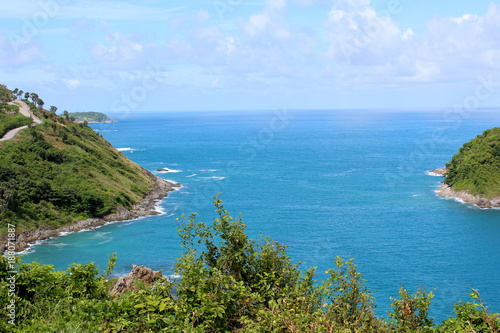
(59, 172)
(474, 172)
(90, 117)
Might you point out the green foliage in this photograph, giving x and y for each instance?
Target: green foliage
(411, 312)
(471, 317)
(5, 94)
(59, 171)
(476, 166)
(10, 119)
(229, 283)
(91, 117)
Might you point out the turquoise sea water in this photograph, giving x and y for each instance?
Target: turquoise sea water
(325, 183)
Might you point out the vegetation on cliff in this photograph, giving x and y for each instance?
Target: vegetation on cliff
(228, 283)
(476, 166)
(90, 117)
(57, 172)
(9, 114)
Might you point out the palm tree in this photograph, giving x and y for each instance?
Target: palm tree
(20, 93)
(66, 114)
(53, 109)
(15, 91)
(40, 103)
(34, 98)
(26, 95)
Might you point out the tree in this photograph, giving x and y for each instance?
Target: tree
(15, 91)
(53, 109)
(40, 103)
(26, 95)
(20, 93)
(66, 114)
(34, 98)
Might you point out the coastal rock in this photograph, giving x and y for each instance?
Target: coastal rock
(144, 207)
(128, 282)
(439, 172)
(448, 192)
(167, 170)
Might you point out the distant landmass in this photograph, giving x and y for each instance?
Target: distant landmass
(91, 117)
(473, 174)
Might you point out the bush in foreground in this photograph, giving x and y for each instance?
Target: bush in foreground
(230, 283)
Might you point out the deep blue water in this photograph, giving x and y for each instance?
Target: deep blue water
(325, 183)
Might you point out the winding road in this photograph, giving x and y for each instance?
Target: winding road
(24, 110)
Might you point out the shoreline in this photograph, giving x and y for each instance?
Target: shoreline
(463, 196)
(145, 207)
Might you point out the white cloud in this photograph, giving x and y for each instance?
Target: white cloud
(72, 83)
(17, 52)
(359, 35)
(463, 45)
(276, 4)
(119, 51)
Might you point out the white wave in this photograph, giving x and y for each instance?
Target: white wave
(105, 241)
(210, 170)
(430, 173)
(65, 233)
(58, 244)
(167, 170)
(30, 246)
(214, 178)
(158, 207)
(191, 175)
(416, 195)
(104, 233)
(124, 149)
(89, 229)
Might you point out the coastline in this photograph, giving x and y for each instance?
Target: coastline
(145, 207)
(463, 196)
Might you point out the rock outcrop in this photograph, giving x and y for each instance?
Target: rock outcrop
(140, 274)
(448, 192)
(439, 172)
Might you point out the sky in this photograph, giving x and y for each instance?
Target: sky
(131, 56)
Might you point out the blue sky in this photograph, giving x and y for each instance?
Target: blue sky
(120, 56)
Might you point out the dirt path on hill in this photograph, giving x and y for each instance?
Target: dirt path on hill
(25, 111)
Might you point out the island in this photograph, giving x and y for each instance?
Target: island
(59, 176)
(91, 117)
(473, 174)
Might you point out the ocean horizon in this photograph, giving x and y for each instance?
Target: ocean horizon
(326, 183)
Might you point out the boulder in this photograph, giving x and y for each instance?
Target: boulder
(128, 282)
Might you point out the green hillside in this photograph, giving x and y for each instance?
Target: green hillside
(58, 172)
(476, 166)
(90, 117)
(9, 116)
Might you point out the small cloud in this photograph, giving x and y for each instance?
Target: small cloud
(276, 4)
(119, 51)
(407, 34)
(72, 83)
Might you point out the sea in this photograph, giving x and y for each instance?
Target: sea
(326, 183)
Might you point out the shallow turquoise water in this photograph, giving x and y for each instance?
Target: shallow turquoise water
(325, 183)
